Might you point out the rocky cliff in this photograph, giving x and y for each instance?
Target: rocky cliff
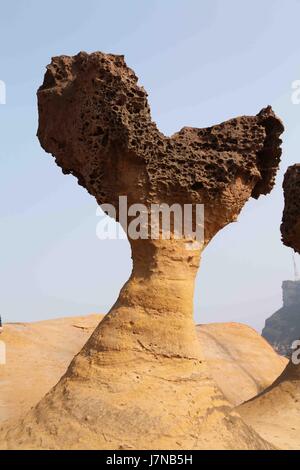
(283, 327)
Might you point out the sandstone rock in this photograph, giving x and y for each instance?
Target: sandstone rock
(240, 361)
(290, 227)
(141, 377)
(275, 413)
(37, 356)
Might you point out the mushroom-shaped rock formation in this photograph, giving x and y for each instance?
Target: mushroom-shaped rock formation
(290, 227)
(141, 381)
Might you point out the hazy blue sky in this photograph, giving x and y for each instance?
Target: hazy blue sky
(202, 62)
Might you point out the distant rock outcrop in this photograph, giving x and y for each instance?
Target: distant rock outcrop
(141, 380)
(283, 327)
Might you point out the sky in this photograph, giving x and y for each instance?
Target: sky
(202, 62)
